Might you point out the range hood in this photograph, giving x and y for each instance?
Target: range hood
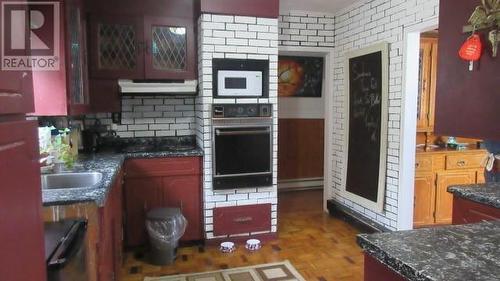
(173, 87)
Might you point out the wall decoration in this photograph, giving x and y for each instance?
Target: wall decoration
(366, 103)
(486, 16)
(300, 76)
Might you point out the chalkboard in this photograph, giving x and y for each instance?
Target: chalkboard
(367, 125)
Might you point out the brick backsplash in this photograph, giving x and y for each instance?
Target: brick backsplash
(152, 116)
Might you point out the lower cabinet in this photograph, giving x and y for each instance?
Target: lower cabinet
(467, 211)
(110, 247)
(162, 182)
(435, 172)
(444, 199)
(425, 199)
(104, 240)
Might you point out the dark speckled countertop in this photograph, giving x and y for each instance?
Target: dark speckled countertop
(109, 164)
(488, 193)
(468, 252)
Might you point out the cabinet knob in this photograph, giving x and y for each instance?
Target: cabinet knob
(461, 163)
(417, 164)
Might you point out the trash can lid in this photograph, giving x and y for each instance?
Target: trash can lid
(163, 213)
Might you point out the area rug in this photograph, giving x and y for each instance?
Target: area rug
(281, 271)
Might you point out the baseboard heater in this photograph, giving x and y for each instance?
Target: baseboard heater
(304, 183)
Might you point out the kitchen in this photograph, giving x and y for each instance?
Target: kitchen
(167, 95)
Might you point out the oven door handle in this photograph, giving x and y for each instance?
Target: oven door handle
(220, 132)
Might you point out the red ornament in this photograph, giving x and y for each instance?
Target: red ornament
(471, 49)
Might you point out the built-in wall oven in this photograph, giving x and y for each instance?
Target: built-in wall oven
(242, 146)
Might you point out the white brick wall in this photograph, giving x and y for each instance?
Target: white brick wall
(298, 28)
(243, 38)
(362, 24)
(152, 116)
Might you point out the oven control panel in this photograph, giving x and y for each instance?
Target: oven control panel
(241, 110)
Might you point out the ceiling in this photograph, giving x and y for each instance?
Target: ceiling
(327, 6)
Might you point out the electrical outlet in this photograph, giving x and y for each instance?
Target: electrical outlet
(116, 117)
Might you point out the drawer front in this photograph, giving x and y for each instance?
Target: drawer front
(472, 161)
(423, 163)
(157, 167)
(242, 219)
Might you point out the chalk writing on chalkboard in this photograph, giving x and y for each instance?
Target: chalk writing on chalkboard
(366, 105)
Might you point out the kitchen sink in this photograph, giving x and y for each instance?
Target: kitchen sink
(71, 180)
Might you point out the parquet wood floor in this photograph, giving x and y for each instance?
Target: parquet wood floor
(320, 247)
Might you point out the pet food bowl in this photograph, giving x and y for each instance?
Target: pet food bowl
(253, 244)
(227, 247)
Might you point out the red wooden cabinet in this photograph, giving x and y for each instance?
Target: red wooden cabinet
(170, 48)
(65, 91)
(16, 87)
(242, 219)
(467, 211)
(116, 47)
(376, 271)
(21, 227)
(16, 92)
(141, 195)
(142, 47)
(162, 182)
(110, 247)
(184, 192)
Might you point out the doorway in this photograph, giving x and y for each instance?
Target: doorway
(304, 156)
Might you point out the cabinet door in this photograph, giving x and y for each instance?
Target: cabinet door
(424, 85)
(444, 199)
(424, 200)
(21, 227)
(110, 239)
(116, 47)
(170, 47)
(77, 66)
(141, 195)
(184, 192)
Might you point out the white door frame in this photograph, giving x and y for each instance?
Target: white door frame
(327, 54)
(409, 121)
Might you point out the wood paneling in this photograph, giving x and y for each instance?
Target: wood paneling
(466, 102)
(467, 211)
(256, 8)
(301, 148)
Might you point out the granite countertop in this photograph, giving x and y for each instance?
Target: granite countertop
(109, 164)
(488, 193)
(448, 253)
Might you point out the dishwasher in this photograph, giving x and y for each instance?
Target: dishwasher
(65, 250)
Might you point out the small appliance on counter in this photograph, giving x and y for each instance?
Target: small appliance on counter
(65, 250)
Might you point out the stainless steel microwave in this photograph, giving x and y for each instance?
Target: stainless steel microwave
(239, 78)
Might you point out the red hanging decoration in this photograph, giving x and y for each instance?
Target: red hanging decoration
(471, 49)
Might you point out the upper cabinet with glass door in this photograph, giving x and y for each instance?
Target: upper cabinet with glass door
(427, 84)
(169, 48)
(142, 47)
